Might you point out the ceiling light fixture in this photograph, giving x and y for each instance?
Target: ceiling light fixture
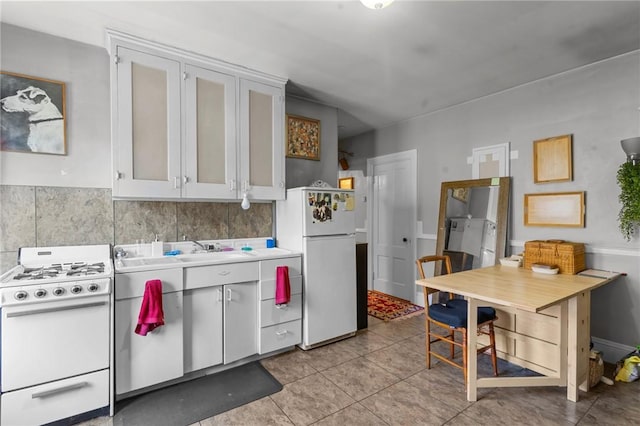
(376, 4)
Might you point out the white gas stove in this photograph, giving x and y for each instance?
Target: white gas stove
(57, 273)
(59, 300)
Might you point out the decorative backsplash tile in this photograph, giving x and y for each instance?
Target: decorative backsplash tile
(52, 216)
(142, 220)
(17, 218)
(203, 221)
(73, 216)
(252, 223)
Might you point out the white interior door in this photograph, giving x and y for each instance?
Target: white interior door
(392, 218)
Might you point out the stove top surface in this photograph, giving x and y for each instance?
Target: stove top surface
(39, 265)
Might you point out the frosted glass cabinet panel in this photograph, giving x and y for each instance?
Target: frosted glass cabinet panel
(147, 151)
(262, 140)
(210, 134)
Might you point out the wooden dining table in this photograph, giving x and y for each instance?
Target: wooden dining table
(533, 292)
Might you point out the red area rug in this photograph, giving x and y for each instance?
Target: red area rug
(386, 307)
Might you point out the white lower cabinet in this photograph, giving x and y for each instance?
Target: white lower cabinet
(142, 361)
(202, 328)
(240, 321)
(280, 325)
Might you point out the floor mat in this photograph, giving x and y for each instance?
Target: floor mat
(189, 402)
(387, 307)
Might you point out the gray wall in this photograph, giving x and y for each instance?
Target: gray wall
(302, 172)
(598, 105)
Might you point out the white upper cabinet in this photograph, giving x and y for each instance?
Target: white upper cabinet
(191, 127)
(261, 141)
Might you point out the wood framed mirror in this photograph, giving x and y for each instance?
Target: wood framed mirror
(473, 220)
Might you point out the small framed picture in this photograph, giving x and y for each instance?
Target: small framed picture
(346, 183)
(563, 209)
(460, 194)
(303, 137)
(32, 116)
(552, 159)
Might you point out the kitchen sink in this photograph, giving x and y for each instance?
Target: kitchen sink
(147, 261)
(213, 256)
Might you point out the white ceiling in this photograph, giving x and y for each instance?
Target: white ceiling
(377, 67)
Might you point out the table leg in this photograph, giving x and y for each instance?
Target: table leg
(472, 353)
(578, 339)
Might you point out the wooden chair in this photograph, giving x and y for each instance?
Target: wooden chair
(452, 316)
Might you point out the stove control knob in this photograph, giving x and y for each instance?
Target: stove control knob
(20, 295)
(93, 287)
(58, 291)
(40, 293)
(76, 289)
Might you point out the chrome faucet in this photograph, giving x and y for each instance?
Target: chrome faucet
(200, 245)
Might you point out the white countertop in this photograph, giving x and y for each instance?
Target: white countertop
(139, 263)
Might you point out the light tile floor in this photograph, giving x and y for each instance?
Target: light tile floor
(379, 377)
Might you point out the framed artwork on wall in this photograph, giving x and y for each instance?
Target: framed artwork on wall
(32, 114)
(563, 209)
(303, 137)
(346, 183)
(552, 159)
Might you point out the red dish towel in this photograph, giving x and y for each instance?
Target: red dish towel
(283, 288)
(151, 314)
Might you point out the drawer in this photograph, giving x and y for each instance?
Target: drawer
(56, 400)
(504, 342)
(268, 267)
(506, 317)
(267, 288)
(132, 284)
(539, 326)
(280, 336)
(229, 273)
(538, 352)
(271, 314)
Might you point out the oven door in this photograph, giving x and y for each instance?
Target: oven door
(53, 340)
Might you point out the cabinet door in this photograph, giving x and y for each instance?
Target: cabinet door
(240, 321)
(202, 328)
(142, 361)
(209, 149)
(261, 141)
(146, 145)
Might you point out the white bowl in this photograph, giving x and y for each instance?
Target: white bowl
(544, 270)
(510, 262)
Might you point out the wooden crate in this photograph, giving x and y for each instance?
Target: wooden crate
(568, 257)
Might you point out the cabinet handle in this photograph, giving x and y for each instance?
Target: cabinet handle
(228, 295)
(176, 182)
(232, 185)
(283, 306)
(281, 333)
(185, 179)
(118, 175)
(224, 273)
(219, 295)
(51, 392)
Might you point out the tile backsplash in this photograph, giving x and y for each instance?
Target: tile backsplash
(49, 216)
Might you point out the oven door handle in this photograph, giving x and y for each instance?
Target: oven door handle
(58, 309)
(52, 392)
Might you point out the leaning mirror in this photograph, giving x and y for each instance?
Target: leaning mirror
(472, 225)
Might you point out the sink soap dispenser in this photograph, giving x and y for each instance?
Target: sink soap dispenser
(157, 247)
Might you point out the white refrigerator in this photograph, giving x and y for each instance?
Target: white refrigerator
(320, 223)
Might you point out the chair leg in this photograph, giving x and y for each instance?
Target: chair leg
(428, 323)
(452, 348)
(494, 356)
(464, 356)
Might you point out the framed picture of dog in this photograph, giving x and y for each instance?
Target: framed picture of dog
(32, 114)
(303, 137)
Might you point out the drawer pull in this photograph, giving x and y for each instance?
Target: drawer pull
(224, 273)
(283, 306)
(281, 333)
(52, 392)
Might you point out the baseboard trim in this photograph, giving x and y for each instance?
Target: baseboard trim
(612, 352)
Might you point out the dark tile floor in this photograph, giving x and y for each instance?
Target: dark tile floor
(379, 377)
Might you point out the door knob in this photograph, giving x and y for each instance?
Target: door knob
(404, 240)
